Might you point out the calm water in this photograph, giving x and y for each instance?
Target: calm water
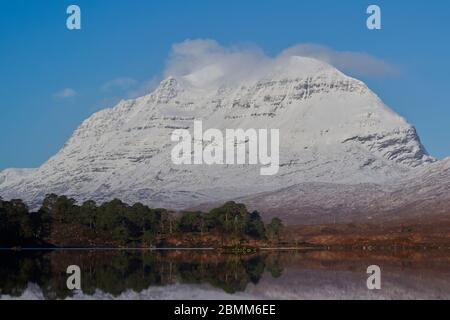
(205, 274)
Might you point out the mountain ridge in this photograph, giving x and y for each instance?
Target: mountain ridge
(333, 129)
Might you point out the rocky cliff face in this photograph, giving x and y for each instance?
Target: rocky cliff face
(333, 130)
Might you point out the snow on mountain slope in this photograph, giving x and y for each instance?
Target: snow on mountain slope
(14, 175)
(333, 129)
(423, 194)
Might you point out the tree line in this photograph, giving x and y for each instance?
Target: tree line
(125, 224)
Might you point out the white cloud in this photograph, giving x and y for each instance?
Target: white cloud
(354, 63)
(121, 83)
(207, 63)
(204, 63)
(65, 93)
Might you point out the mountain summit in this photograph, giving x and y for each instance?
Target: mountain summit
(333, 129)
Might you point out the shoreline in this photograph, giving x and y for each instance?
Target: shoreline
(250, 250)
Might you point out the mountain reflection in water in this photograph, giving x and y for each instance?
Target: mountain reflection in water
(210, 275)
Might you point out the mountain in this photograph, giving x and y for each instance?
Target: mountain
(421, 197)
(334, 131)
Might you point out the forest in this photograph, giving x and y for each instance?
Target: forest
(61, 221)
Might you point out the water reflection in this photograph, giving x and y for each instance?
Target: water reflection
(209, 274)
(114, 272)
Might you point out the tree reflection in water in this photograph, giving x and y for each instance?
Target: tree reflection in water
(115, 272)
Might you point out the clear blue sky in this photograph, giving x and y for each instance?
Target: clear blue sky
(131, 39)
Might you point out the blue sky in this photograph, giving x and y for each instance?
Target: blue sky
(51, 78)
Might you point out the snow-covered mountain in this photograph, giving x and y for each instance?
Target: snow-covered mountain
(333, 130)
(422, 195)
